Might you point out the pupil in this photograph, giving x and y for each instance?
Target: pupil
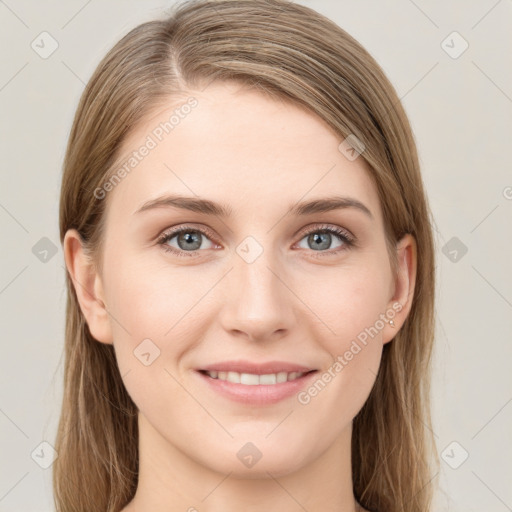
(190, 238)
(317, 240)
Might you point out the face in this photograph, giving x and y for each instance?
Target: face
(252, 282)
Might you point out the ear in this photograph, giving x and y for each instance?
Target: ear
(404, 284)
(88, 287)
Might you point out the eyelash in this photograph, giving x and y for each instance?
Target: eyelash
(347, 239)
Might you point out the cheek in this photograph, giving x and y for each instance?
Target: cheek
(152, 300)
(172, 307)
(151, 307)
(350, 300)
(151, 310)
(350, 304)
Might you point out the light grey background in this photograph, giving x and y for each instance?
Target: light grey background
(461, 113)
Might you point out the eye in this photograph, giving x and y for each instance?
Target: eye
(188, 239)
(320, 238)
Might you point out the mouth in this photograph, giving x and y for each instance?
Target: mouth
(256, 384)
(254, 379)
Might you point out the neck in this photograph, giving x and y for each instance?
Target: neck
(169, 480)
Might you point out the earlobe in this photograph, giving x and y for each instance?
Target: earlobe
(88, 287)
(401, 302)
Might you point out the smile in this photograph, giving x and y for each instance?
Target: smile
(253, 384)
(252, 379)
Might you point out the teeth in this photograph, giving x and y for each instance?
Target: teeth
(271, 378)
(234, 377)
(282, 377)
(251, 379)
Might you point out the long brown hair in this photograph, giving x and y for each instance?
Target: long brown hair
(295, 54)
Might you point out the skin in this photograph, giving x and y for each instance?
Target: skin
(259, 157)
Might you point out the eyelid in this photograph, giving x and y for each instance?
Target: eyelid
(342, 233)
(184, 227)
(330, 228)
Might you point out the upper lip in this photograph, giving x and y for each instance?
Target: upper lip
(256, 368)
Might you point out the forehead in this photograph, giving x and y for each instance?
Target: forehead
(238, 147)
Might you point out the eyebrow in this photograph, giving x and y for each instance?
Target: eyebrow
(208, 207)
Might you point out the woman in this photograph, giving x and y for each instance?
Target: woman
(250, 274)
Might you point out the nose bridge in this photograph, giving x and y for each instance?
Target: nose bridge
(255, 268)
(258, 302)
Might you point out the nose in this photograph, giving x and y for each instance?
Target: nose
(259, 304)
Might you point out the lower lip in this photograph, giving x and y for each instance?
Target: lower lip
(259, 394)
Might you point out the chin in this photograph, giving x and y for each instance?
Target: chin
(255, 460)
